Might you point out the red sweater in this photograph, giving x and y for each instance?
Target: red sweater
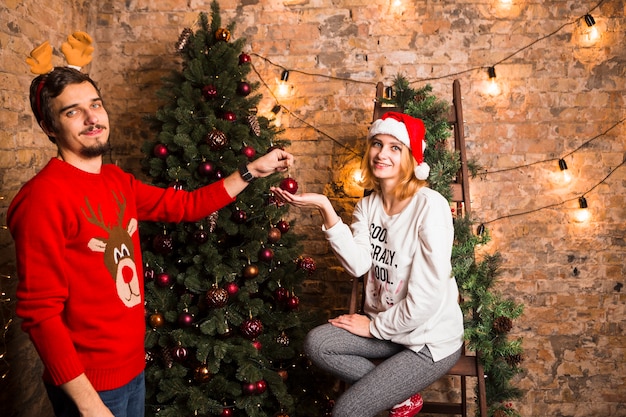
(80, 291)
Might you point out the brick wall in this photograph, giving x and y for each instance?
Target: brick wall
(556, 95)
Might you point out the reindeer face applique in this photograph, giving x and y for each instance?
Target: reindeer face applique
(119, 252)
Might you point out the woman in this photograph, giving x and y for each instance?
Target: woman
(401, 240)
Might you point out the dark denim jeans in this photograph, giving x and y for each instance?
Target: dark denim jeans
(126, 401)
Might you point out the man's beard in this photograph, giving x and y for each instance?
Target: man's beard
(98, 149)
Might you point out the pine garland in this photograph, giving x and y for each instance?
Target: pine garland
(488, 315)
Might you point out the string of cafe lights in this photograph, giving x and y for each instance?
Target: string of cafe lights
(588, 20)
(5, 304)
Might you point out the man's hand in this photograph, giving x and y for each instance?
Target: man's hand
(86, 397)
(276, 161)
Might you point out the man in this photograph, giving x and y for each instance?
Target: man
(80, 291)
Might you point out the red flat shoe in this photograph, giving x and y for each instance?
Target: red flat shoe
(408, 408)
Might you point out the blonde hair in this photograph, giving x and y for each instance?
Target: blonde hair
(408, 184)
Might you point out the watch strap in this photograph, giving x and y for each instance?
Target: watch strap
(245, 174)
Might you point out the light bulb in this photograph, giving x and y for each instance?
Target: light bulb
(566, 177)
(582, 214)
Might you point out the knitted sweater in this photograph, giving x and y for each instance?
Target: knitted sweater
(80, 290)
(410, 294)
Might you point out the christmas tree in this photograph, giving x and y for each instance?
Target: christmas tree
(225, 327)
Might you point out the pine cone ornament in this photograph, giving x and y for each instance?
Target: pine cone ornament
(166, 355)
(500, 413)
(216, 297)
(502, 325)
(183, 39)
(253, 122)
(513, 360)
(216, 139)
(212, 220)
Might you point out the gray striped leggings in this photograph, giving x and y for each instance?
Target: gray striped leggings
(374, 388)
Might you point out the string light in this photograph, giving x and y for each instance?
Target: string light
(283, 87)
(566, 177)
(389, 92)
(5, 301)
(582, 214)
(492, 79)
(493, 88)
(589, 20)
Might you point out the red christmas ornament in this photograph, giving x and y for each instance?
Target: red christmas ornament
(274, 235)
(160, 151)
(249, 388)
(272, 199)
(250, 271)
(232, 288)
(248, 151)
(177, 185)
(283, 226)
(219, 174)
(206, 169)
(185, 319)
(229, 116)
(289, 184)
(283, 374)
(306, 263)
(179, 353)
(281, 294)
(293, 302)
(216, 297)
(163, 244)
(156, 320)
(251, 328)
(163, 279)
(239, 216)
(261, 386)
(148, 273)
(244, 58)
(243, 88)
(209, 92)
(266, 254)
(227, 412)
(257, 345)
(200, 236)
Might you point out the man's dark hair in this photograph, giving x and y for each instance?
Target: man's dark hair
(48, 86)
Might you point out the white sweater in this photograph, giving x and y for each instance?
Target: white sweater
(410, 294)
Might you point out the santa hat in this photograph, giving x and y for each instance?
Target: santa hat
(408, 130)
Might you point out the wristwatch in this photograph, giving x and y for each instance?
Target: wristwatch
(245, 174)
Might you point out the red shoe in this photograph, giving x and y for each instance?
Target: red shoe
(408, 408)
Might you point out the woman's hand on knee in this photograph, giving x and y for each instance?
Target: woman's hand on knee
(357, 324)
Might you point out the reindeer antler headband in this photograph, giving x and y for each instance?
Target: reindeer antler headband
(77, 50)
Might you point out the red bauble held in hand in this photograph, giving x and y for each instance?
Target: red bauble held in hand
(289, 184)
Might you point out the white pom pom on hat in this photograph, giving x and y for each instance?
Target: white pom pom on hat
(408, 130)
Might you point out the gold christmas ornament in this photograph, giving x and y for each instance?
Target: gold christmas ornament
(222, 34)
